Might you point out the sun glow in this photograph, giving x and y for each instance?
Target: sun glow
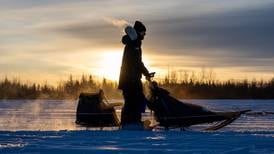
(110, 63)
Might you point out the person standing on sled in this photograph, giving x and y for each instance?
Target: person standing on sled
(130, 76)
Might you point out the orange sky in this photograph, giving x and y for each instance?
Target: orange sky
(48, 40)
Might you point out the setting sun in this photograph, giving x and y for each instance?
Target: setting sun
(110, 64)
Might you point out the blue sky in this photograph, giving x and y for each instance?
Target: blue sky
(49, 39)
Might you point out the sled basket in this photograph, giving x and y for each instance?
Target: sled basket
(93, 111)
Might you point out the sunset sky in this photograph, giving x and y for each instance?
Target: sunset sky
(50, 39)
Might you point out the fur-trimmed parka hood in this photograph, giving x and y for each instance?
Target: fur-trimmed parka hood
(131, 35)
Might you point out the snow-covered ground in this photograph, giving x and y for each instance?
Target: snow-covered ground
(135, 142)
(47, 126)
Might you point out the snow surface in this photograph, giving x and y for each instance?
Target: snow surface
(135, 142)
(47, 126)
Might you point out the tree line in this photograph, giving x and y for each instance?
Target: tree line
(184, 85)
(68, 89)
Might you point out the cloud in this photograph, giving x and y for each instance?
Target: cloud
(216, 34)
(246, 33)
(34, 65)
(97, 35)
(234, 38)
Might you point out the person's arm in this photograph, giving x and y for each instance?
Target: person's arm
(144, 70)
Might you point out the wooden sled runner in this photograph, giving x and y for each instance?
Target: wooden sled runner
(227, 121)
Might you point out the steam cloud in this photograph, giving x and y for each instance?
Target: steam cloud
(119, 23)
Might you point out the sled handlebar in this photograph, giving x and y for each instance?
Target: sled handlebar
(152, 74)
(152, 84)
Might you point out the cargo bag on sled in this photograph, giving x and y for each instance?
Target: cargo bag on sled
(93, 111)
(170, 112)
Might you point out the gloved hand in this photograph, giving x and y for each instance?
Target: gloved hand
(151, 75)
(148, 78)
